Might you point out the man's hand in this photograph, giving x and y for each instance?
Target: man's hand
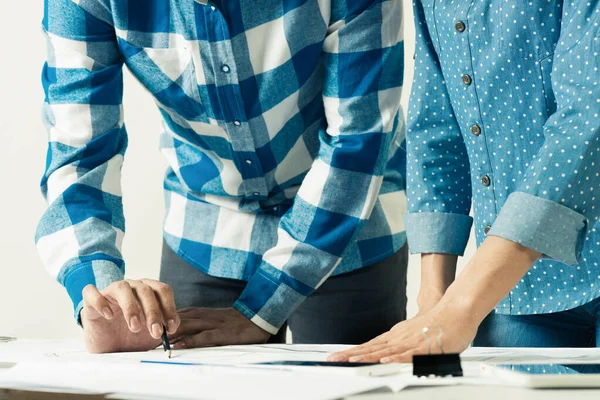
(406, 338)
(127, 315)
(201, 327)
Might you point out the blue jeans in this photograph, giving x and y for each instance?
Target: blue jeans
(579, 327)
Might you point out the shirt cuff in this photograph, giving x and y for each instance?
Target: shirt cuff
(270, 297)
(433, 232)
(542, 225)
(100, 273)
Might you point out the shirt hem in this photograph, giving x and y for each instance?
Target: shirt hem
(239, 275)
(524, 310)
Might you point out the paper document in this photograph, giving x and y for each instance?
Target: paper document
(56, 350)
(185, 382)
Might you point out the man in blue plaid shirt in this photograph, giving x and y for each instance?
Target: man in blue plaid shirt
(284, 140)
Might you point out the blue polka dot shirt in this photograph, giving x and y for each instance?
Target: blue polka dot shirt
(504, 117)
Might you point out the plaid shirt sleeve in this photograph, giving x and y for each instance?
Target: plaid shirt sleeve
(438, 176)
(80, 234)
(363, 57)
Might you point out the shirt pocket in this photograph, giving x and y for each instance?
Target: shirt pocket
(169, 74)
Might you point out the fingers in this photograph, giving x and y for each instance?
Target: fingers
(189, 328)
(211, 337)
(93, 299)
(193, 326)
(139, 300)
(376, 344)
(376, 354)
(123, 293)
(150, 307)
(166, 300)
(354, 353)
(406, 357)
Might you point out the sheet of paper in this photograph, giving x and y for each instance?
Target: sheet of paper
(51, 350)
(39, 349)
(185, 382)
(230, 355)
(74, 350)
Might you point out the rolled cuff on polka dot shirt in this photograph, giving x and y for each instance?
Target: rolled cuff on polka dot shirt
(555, 231)
(454, 232)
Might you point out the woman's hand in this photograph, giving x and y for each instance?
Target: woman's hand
(492, 272)
(407, 339)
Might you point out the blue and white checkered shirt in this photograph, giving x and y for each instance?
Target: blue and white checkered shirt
(282, 130)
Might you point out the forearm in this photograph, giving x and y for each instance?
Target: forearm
(438, 271)
(494, 270)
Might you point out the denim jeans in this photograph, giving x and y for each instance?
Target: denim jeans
(579, 327)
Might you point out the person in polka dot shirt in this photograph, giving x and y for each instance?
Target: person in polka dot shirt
(504, 116)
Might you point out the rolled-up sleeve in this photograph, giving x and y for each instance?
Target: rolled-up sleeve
(559, 199)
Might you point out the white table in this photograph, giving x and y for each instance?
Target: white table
(57, 362)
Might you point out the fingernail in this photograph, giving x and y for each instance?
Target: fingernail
(156, 330)
(179, 345)
(134, 324)
(386, 360)
(337, 358)
(356, 359)
(171, 326)
(107, 312)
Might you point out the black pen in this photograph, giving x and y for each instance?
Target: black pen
(165, 342)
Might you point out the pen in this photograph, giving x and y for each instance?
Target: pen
(165, 342)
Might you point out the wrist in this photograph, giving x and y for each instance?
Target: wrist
(463, 306)
(427, 295)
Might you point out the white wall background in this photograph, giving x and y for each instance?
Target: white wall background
(31, 303)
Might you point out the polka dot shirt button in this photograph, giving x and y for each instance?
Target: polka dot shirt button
(485, 180)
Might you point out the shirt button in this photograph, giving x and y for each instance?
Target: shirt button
(486, 230)
(225, 68)
(249, 162)
(476, 130)
(460, 26)
(237, 122)
(213, 8)
(467, 79)
(256, 194)
(486, 180)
